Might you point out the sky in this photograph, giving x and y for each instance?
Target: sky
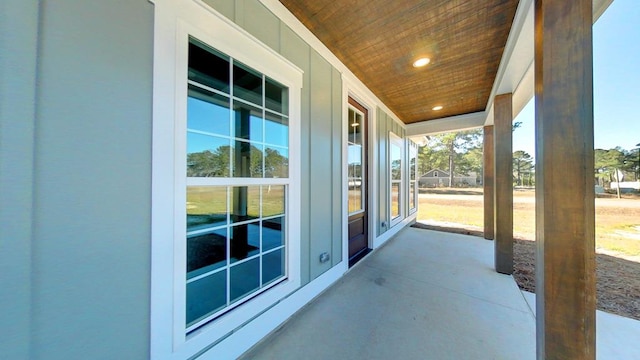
(616, 82)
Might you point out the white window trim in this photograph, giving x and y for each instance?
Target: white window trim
(174, 21)
(397, 140)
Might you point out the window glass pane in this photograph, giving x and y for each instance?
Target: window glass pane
(205, 296)
(207, 111)
(276, 162)
(207, 156)
(245, 203)
(272, 266)
(206, 252)
(272, 200)
(412, 167)
(272, 233)
(208, 67)
(276, 96)
(412, 195)
(247, 159)
(276, 130)
(396, 162)
(355, 160)
(245, 278)
(355, 195)
(247, 83)
(395, 200)
(247, 122)
(206, 207)
(245, 241)
(355, 127)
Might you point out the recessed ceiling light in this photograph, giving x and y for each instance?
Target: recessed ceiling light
(421, 62)
(436, 108)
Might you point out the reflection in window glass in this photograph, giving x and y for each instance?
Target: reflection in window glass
(276, 96)
(245, 278)
(395, 200)
(273, 197)
(247, 122)
(396, 162)
(396, 190)
(272, 266)
(247, 159)
(276, 130)
(206, 207)
(207, 156)
(245, 241)
(247, 84)
(235, 232)
(272, 233)
(245, 203)
(412, 196)
(208, 112)
(413, 180)
(206, 252)
(276, 162)
(208, 67)
(355, 158)
(205, 296)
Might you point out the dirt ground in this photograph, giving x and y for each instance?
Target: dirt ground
(618, 272)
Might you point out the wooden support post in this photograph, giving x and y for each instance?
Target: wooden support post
(488, 181)
(565, 211)
(503, 196)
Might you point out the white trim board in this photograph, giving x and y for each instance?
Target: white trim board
(382, 239)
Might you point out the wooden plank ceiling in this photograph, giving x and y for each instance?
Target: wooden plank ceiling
(378, 40)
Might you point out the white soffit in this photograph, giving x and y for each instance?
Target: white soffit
(453, 123)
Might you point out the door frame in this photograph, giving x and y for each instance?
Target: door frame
(354, 91)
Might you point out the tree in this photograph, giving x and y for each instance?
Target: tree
(275, 164)
(209, 163)
(609, 164)
(445, 151)
(522, 163)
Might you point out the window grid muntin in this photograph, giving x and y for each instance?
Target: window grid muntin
(231, 182)
(231, 304)
(231, 136)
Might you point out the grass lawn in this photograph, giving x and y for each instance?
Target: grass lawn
(616, 219)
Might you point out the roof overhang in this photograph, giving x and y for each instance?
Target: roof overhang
(515, 75)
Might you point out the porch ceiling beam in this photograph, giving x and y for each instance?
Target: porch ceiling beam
(565, 215)
(503, 190)
(452, 123)
(488, 181)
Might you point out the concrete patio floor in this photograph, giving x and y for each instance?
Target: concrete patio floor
(427, 295)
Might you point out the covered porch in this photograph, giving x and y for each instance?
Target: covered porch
(427, 294)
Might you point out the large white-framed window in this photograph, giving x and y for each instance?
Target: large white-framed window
(226, 178)
(413, 176)
(396, 176)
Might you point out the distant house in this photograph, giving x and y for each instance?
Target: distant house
(437, 178)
